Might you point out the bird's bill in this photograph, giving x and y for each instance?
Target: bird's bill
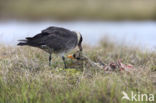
(70, 56)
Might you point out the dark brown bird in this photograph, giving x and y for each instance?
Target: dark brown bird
(55, 40)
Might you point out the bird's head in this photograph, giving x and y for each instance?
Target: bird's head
(77, 55)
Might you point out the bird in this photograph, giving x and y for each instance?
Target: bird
(57, 40)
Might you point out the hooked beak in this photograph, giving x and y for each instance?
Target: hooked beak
(70, 56)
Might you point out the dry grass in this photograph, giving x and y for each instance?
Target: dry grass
(25, 76)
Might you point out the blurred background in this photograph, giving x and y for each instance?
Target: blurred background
(130, 22)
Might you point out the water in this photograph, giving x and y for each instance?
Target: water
(142, 34)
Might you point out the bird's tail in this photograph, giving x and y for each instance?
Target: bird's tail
(25, 41)
(22, 43)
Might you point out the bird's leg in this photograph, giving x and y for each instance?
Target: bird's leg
(50, 59)
(63, 58)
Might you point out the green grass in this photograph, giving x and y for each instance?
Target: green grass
(25, 76)
(78, 9)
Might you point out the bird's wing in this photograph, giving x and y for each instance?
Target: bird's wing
(38, 36)
(54, 37)
(49, 29)
(58, 31)
(60, 36)
(54, 42)
(45, 32)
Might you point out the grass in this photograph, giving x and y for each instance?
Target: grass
(25, 76)
(78, 9)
